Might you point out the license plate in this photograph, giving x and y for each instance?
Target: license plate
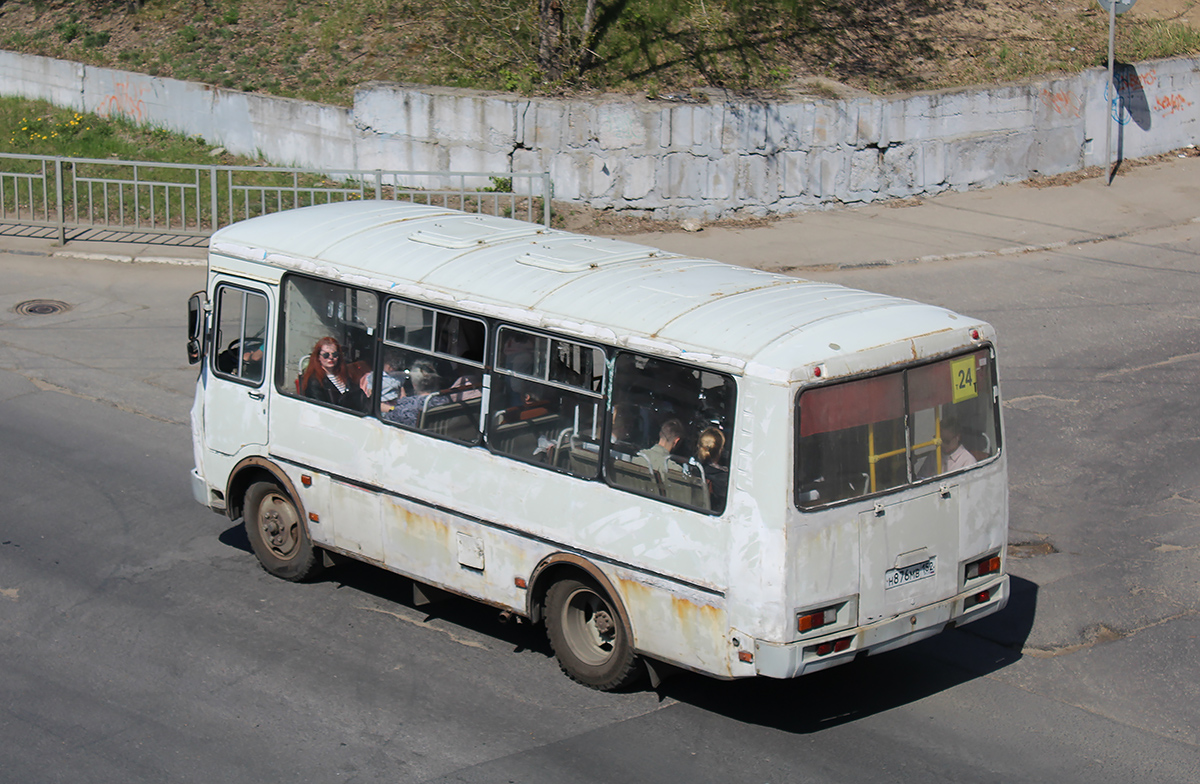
(894, 578)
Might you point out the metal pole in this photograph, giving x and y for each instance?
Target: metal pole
(1112, 95)
(58, 184)
(212, 197)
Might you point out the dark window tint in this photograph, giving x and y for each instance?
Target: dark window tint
(875, 434)
(547, 401)
(670, 432)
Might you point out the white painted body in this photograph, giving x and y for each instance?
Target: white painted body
(718, 594)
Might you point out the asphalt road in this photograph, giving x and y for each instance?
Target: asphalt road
(139, 640)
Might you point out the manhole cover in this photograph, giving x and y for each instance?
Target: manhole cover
(41, 307)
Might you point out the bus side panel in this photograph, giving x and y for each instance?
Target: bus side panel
(459, 554)
(509, 515)
(757, 555)
(315, 437)
(679, 625)
(559, 509)
(674, 623)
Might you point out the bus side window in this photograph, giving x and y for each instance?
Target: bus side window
(328, 343)
(547, 401)
(670, 428)
(241, 333)
(432, 371)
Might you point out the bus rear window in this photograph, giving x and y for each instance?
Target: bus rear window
(875, 434)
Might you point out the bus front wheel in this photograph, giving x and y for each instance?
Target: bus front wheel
(278, 534)
(592, 642)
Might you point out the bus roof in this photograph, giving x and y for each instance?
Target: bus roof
(591, 287)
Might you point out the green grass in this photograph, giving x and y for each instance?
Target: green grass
(38, 128)
(321, 49)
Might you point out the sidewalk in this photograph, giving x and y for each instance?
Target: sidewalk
(1003, 220)
(124, 252)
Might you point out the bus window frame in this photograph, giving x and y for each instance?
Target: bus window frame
(913, 482)
(496, 370)
(215, 351)
(288, 387)
(384, 343)
(491, 368)
(729, 431)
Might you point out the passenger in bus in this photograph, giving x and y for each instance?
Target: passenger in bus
(709, 448)
(392, 388)
(427, 385)
(327, 378)
(517, 353)
(670, 435)
(468, 386)
(957, 456)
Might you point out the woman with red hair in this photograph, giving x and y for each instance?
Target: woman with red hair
(327, 380)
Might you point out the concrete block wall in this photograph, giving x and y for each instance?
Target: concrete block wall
(671, 160)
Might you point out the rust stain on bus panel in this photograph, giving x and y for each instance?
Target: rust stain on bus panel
(423, 543)
(674, 627)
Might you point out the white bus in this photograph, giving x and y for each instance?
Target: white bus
(665, 460)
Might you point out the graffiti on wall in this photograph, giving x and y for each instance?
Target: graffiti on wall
(1167, 105)
(1064, 102)
(126, 99)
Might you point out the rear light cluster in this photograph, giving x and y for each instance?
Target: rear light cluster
(979, 598)
(984, 566)
(833, 646)
(815, 619)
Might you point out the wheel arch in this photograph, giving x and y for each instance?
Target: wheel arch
(257, 469)
(555, 567)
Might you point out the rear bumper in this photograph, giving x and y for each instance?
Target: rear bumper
(789, 660)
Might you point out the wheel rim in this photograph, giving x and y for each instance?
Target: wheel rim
(280, 526)
(589, 626)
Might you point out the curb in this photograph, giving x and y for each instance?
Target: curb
(125, 258)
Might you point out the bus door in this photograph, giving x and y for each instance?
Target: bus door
(235, 389)
(909, 553)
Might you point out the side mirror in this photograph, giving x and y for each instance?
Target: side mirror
(196, 331)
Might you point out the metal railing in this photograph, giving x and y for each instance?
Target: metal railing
(72, 195)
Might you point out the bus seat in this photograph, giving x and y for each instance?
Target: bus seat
(685, 484)
(520, 437)
(978, 444)
(301, 366)
(459, 421)
(636, 475)
(562, 447)
(583, 458)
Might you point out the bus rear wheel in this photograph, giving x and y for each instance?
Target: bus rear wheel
(592, 642)
(278, 534)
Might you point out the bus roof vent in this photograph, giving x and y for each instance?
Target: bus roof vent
(474, 231)
(582, 255)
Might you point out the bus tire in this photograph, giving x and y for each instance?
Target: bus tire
(278, 534)
(593, 644)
